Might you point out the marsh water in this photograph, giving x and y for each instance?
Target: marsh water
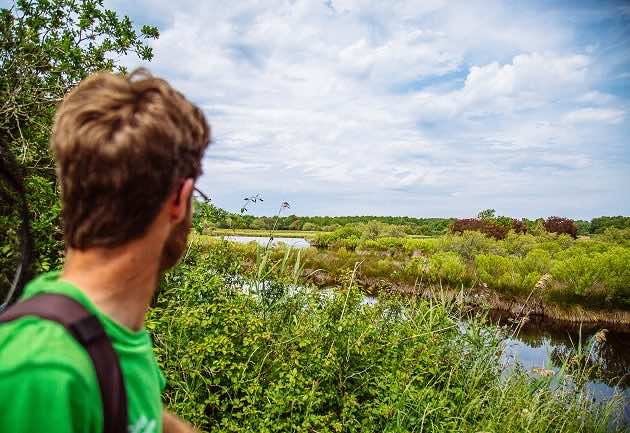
(544, 344)
(541, 345)
(264, 240)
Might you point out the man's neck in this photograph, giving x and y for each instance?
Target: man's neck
(119, 281)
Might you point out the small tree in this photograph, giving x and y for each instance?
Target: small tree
(259, 224)
(487, 214)
(519, 226)
(295, 225)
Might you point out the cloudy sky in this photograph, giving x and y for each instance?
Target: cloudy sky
(420, 108)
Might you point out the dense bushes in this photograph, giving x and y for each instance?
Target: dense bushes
(486, 222)
(601, 275)
(350, 235)
(324, 361)
(409, 225)
(497, 228)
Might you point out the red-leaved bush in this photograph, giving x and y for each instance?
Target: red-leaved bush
(477, 225)
(561, 225)
(519, 226)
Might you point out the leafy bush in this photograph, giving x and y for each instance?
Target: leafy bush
(596, 277)
(484, 226)
(599, 225)
(309, 227)
(617, 236)
(469, 244)
(447, 267)
(561, 226)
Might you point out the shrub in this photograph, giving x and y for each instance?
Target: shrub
(615, 266)
(310, 227)
(484, 226)
(331, 227)
(519, 244)
(561, 226)
(512, 274)
(599, 225)
(468, 244)
(447, 267)
(617, 236)
(578, 272)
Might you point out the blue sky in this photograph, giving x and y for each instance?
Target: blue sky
(420, 108)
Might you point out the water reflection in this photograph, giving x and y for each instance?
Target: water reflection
(545, 344)
(264, 240)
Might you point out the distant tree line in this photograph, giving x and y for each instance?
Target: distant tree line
(208, 216)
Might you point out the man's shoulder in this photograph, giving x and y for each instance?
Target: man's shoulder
(47, 380)
(32, 343)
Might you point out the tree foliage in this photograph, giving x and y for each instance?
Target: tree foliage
(561, 225)
(599, 225)
(484, 226)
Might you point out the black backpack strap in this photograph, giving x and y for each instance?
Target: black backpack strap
(87, 330)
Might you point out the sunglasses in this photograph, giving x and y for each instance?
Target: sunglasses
(199, 192)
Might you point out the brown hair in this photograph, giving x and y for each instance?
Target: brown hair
(122, 143)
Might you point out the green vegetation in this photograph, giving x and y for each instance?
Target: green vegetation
(210, 216)
(245, 349)
(593, 272)
(599, 225)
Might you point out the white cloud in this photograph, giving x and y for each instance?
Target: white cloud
(604, 115)
(595, 97)
(360, 106)
(528, 82)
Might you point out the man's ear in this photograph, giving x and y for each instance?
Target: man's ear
(179, 202)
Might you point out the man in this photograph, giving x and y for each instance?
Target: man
(128, 151)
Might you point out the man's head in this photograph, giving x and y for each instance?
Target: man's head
(127, 150)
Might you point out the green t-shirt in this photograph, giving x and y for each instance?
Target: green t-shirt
(47, 380)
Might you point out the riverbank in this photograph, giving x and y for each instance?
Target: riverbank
(483, 299)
